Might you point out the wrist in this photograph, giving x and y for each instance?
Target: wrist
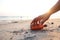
(49, 14)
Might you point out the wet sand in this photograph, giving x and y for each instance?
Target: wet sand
(20, 30)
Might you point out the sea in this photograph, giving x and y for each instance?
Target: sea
(9, 19)
(14, 17)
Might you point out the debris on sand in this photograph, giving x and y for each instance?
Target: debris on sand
(59, 26)
(52, 23)
(45, 25)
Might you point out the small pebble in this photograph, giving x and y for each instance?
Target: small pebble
(43, 30)
(45, 25)
(15, 32)
(51, 39)
(59, 26)
(52, 23)
(26, 32)
(15, 22)
(11, 38)
(51, 30)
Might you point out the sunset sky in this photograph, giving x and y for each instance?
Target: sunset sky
(31, 8)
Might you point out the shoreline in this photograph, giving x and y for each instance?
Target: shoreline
(18, 30)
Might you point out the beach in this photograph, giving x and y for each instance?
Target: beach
(20, 30)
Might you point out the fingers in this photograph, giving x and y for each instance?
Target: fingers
(41, 21)
(35, 22)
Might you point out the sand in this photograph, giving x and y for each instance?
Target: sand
(20, 30)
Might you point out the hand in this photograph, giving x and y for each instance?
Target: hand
(40, 19)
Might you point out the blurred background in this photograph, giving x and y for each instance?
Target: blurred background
(25, 9)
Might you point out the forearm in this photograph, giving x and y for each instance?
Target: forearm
(55, 8)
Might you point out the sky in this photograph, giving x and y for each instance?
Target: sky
(29, 8)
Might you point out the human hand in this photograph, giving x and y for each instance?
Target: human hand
(40, 19)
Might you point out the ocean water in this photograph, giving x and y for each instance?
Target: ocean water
(10, 19)
(14, 17)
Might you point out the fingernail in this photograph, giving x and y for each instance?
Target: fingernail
(38, 22)
(41, 21)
